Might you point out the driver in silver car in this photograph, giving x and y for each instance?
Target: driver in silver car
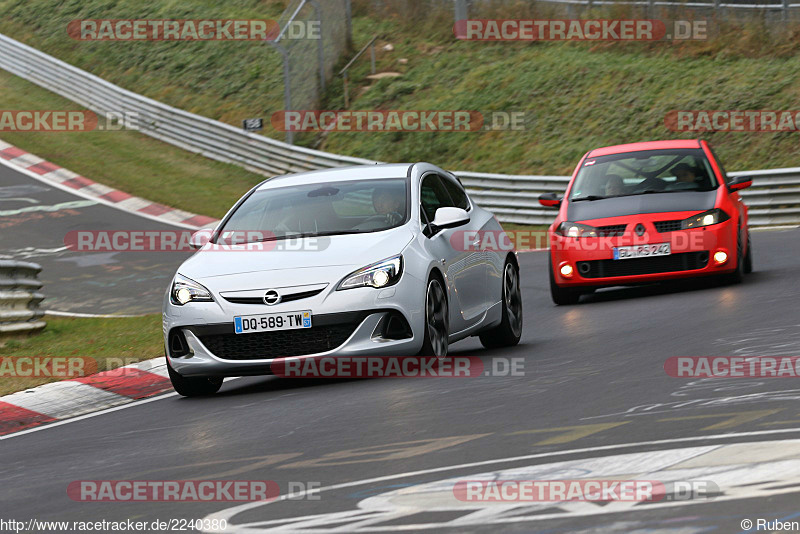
(386, 202)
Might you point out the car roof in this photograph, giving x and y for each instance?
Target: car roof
(647, 145)
(338, 174)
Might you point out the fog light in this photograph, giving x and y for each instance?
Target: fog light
(567, 271)
(720, 257)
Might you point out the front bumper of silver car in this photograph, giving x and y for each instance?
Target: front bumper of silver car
(200, 340)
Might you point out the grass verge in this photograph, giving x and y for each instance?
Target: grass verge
(108, 343)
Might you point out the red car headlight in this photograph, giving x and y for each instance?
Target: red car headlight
(571, 229)
(707, 218)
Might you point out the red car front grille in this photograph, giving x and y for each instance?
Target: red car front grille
(688, 261)
(668, 226)
(614, 230)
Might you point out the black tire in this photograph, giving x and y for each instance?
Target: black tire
(748, 259)
(193, 386)
(509, 331)
(437, 320)
(737, 276)
(560, 295)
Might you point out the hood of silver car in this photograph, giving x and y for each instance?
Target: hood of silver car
(350, 251)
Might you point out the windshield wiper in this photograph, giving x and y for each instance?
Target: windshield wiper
(589, 198)
(653, 191)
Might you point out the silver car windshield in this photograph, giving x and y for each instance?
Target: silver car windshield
(645, 172)
(346, 207)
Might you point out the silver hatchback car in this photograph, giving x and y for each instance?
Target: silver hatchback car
(355, 261)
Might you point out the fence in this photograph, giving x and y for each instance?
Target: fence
(775, 196)
(20, 297)
(308, 61)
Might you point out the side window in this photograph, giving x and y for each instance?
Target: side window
(719, 163)
(433, 196)
(457, 194)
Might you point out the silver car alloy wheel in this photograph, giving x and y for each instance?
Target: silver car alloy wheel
(512, 298)
(436, 318)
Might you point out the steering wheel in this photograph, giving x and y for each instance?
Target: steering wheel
(382, 218)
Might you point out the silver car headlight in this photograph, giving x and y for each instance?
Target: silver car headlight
(382, 274)
(185, 290)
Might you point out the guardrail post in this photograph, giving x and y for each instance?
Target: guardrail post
(461, 10)
(320, 46)
(349, 13)
(346, 91)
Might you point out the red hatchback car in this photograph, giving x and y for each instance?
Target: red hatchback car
(646, 212)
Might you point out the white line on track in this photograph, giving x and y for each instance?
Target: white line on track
(91, 315)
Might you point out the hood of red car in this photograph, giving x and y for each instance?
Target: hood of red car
(641, 204)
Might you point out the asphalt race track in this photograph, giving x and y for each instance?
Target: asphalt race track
(594, 400)
(35, 220)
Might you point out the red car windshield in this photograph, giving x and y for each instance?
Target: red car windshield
(644, 172)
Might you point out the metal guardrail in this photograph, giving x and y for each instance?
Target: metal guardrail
(20, 298)
(774, 198)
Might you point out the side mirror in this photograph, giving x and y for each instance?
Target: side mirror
(550, 200)
(200, 238)
(449, 218)
(740, 182)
